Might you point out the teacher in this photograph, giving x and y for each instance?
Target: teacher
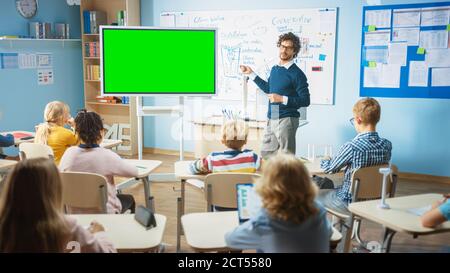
(287, 90)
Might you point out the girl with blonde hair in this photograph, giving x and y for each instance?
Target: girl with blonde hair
(52, 131)
(290, 220)
(31, 214)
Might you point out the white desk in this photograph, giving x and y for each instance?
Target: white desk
(398, 218)
(206, 231)
(182, 173)
(125, 233)
(145, 167)
(17, 141)
(5, 166)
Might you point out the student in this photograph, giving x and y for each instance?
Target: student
(365, 150)
(439, 213)
(31, 216)
(90, 157)
(289, 220)
(5, 141)
(52, 131)
(234, 159)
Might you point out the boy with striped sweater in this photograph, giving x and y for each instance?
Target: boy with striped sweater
(234, 159)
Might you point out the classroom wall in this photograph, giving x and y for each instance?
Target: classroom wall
(22, 100)
(418, 128)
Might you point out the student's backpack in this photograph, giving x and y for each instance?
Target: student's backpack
(323, 182)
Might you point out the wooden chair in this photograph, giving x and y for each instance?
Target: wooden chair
(87, 191)
(34, 150)
(220, 188)
(366, 184)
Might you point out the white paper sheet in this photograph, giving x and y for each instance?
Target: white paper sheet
(377, 38)
(434, 39)
(44, 60)
(398, 53)
(378, 18)
(391, 76)
(167, 20)
(419, 211)
(418, 74)
(438, 57)
(372, 76)
(406, 18)
(182, 20)
(440, 76)
(408, 35)
(45, 76)
(383, 76)
(27, 61)
(435, 16)
(378, 54)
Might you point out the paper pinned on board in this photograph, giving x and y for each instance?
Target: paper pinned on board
(438, 57)
(397, 53)
(377, 38)
(378, 18)
(436, 16)
(408, 35)
(418, 74)
(27, 60)
(440, 76)
(434, 39)
(406, 18)
(167, 20)
(377, 54)
(382, 76)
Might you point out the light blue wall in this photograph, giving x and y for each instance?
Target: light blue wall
(22, 101)
(418, 128)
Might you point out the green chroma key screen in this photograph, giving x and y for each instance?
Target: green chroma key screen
(158, 61)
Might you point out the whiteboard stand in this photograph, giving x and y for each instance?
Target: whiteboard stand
(144, 111)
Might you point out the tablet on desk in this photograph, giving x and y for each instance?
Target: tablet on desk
(248, 201)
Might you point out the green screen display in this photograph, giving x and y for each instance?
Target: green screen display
(158, 61)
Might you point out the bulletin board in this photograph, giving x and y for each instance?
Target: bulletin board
(405, 51)
(249, 37)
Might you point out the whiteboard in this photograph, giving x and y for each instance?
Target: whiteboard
(250, 37)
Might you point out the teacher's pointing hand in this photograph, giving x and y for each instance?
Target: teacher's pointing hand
(274, 98)
(246, 69)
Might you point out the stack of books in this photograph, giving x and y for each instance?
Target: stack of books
(91, 49)
(92, 20)
(38, 30)
(92, 72)
(62, 31)
(108, 99)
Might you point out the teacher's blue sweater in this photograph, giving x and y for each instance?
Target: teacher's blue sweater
(290, 82)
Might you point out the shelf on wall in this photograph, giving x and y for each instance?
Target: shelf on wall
(107, 104)
(63, 41)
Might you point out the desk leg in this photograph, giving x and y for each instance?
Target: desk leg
(387, 240)
(178, 223)
(147, 192)
(183, 191)
(348, 236)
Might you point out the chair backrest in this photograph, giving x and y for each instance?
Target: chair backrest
(367, 182)
(220, 188)
(86, 191)
(34, 150)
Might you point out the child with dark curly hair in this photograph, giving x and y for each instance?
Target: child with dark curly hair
(90, 157)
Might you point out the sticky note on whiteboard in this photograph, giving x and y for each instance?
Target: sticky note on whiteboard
(372, 64)
(448, 27)
(322, 57)
(421, 51)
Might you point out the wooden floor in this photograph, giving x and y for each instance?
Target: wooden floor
(165, 202)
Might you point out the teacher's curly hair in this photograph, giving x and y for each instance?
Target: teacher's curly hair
(290, 37)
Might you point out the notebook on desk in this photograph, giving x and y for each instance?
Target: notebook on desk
(248, 201)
